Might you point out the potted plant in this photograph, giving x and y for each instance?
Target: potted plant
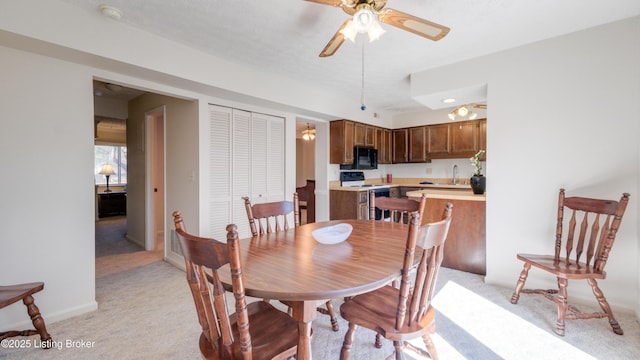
(478, 181)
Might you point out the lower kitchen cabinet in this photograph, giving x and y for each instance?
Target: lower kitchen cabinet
(348, 205)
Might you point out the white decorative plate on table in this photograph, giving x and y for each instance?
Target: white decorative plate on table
(332, 234)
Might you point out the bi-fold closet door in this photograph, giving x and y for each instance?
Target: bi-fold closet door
(246, 158)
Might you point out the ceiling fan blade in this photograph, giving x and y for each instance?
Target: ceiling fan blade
(349, 6)
(416, 25)
(327, 2)
(335, 42)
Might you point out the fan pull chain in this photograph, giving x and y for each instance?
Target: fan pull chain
(363, 107)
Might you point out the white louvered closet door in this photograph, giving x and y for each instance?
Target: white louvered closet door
(220, 170)
(241, 170)
(246, 159)
(275, 169)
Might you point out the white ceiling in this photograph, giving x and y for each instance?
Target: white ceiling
(286, 36)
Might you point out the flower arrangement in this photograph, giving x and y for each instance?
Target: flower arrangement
(475, 161)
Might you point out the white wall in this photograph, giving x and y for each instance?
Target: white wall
(558, 116)
(47, 209)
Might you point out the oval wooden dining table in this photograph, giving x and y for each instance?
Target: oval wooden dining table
(292, 265)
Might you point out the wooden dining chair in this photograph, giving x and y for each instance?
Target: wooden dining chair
(597, 223)
(396, 210)
(256, 330)
(401, 314)
(13, 293)
(307, 199)
(273, 217)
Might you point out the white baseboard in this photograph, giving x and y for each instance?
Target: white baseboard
(50, 318)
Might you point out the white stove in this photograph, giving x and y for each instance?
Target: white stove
(356, 179)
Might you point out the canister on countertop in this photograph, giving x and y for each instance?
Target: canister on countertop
(389, 178)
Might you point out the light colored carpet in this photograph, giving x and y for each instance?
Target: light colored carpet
(146, 312)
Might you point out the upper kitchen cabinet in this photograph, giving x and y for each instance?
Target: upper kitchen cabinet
(345, 134)
(464, 137)
(342, 139)
(360, 133)
(418, 144)
(482, 137)
(383, 144)
(456, 140)
(438, 141)
(400, 152)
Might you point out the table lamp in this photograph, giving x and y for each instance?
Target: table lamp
(107, 171)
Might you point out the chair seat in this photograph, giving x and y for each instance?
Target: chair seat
(263, 320)
(13, 293)
(377, 310)
(561, 268)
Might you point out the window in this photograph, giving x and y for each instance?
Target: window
(115, 155)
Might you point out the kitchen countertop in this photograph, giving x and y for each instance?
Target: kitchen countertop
(447, 194)
(461, 187)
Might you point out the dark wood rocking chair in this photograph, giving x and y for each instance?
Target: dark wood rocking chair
(272, 216)
(256, 330)
(14, 293)
(598, 222)
(404, 313)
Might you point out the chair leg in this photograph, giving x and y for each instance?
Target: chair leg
(332, 314)
(521, 280)
(36, 318)
(399, 347)
(378, 343)
(605, 306)
(426, 337)
(563, 304)
(348, 341)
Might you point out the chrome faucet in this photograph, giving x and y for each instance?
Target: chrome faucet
(455, 174)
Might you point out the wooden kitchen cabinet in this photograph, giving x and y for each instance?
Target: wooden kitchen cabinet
(394, 192)
(342, 140)
(400, 146)
(464, 138)
(370, 136)
(359, 134)
(438, 140)
(383, 144)
(418, 144)
(482, 137)
(348, 205)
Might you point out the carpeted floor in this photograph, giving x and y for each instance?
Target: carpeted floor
(146, 312)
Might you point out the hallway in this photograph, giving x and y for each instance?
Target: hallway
(114, 253)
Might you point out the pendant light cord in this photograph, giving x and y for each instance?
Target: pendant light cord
(363, 107)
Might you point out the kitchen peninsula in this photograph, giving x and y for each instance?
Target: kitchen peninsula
(465, 248)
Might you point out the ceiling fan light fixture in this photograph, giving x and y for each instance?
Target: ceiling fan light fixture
(363, 19)
(472, 115)
(375, 31)
(349, 31)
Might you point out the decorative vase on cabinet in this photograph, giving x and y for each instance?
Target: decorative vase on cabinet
(478, 184)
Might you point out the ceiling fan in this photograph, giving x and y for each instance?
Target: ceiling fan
(365, 16)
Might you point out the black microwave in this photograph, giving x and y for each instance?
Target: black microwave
(365, 158)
